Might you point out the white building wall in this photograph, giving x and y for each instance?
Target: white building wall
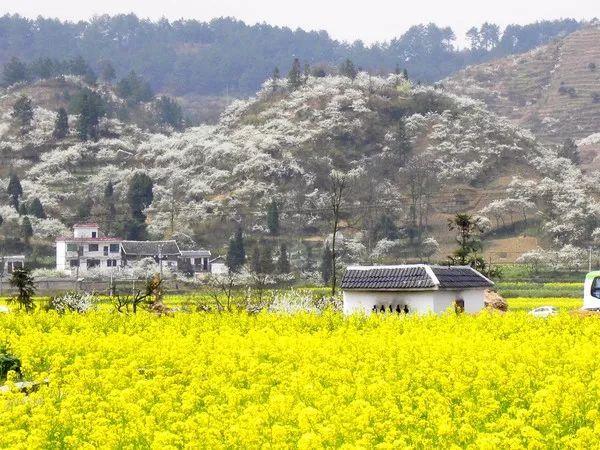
(421, 302)
(86, 232)
(61, 255)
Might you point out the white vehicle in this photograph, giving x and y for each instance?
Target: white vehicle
(591, 291)
(544, 311)
(4, 309)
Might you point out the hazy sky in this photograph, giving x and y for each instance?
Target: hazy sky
(369, 20)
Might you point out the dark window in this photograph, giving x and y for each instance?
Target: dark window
(91, 263)
(205, 264)
(596, 287)
(114, 248)
(74, 263)
(72, 247)
(94, 234)
(111, 263)
(92, 247)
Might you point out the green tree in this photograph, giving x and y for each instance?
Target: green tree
(295, 75)
(61, 125)
(89, 108)
(109, 205)
(275, 79)
(326, 264)
(169, 112)
(14, 190)
(236, 253)
(255, 258)
(348, 69)
(26, 230)
(23, 112)
(36, 209)
(266, 259)
(139, 197)
(43, 68)
(283, 262)
(15, 71)
(273, 218)
(385, 228)
(22, 280)
(107, 71)
(468, 229)
(570, 151)
(134, 89)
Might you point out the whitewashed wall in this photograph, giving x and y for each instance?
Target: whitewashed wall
(421, 302)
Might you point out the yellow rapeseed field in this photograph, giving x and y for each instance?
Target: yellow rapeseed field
(303, 381)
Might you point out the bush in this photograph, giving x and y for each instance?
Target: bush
(79, 302)
(8, 362)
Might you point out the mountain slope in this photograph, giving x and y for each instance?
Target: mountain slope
(553, 90)
(419, 156)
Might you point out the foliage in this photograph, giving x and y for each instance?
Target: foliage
(283, 262)
(14, 71)
(236, 252)
(36, 209)
(134, 89)
(22, 280)
(169, 112)
(14, 190)
(302, 380)
(23, 112)
(8, 362)
(89, 107)
(273, 218)
(79, 302)
(61, 126)
(187, 56)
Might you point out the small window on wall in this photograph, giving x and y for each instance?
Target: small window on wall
(596, 287)
(459, 305)
(74, 263)
(71, 247)
(93, 248)
(114, 248)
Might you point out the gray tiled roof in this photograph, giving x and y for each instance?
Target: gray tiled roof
(408, 277)
(413, 277)
(150, 248)
(459, 277)
(195, 253)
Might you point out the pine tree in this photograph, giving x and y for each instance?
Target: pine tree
(236, 253)
(23, 282)
(255, 259)
(295, 75)
(36, 209)
(169, 112)
(109, 205)
(26, 229)
(89, 107)
(266, 259)
(15, 71)
(107, 71)
(326, 261)
(23, 112)
(139, 197)
(273, 218)
(348, 69)
(14, 191)
(275, 78)
(570, 151)
(283, 263)
(61, 125)
(405, 74)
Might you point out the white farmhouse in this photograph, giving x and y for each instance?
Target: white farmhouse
(417, 288)
(86, 249)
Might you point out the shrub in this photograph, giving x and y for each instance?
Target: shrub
(79, 302)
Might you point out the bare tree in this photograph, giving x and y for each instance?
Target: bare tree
(422, 183)
(340, 184)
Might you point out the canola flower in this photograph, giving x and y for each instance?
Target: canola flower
(303, 381)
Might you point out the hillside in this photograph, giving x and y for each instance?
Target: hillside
(418, 156)
(553, 90)
(227, 57)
